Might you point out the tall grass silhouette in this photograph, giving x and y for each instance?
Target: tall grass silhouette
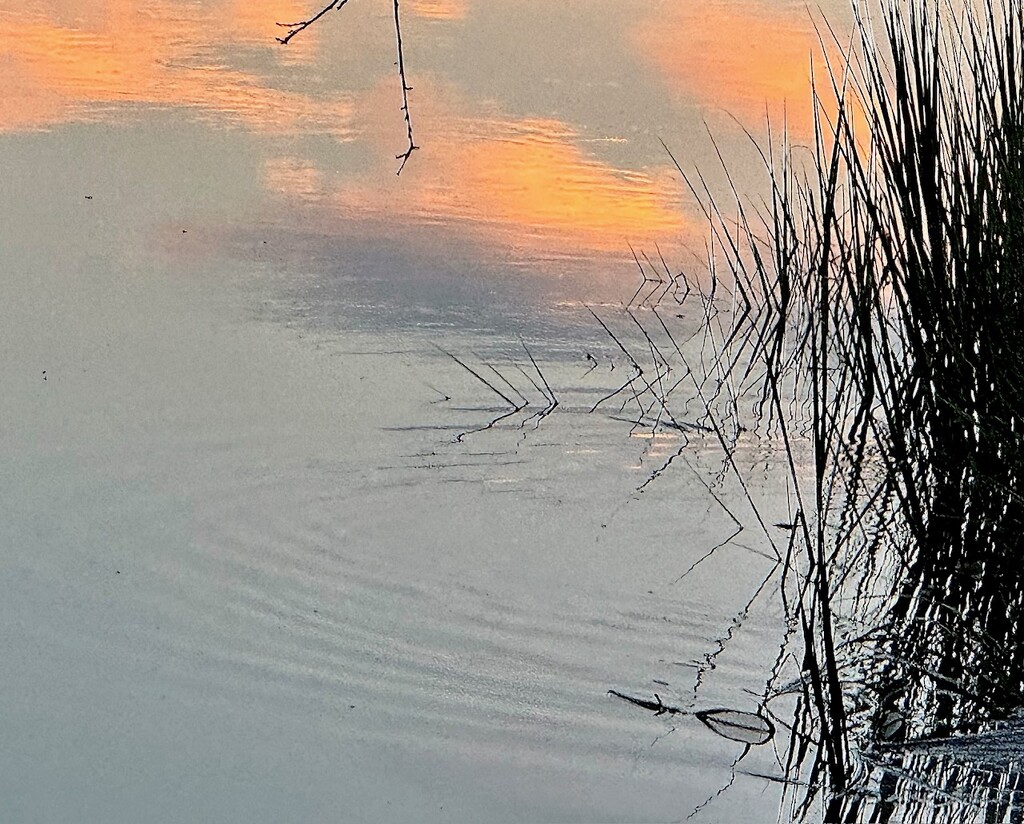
(868, 317)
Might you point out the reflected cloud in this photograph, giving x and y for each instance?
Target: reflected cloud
(739, 57)
(529, 186)
(523, 186)
(260, 23)
(532, 184)
(438, 9)
(62, 67)
(27, 103)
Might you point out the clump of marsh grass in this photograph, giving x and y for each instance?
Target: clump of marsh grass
(868, 317)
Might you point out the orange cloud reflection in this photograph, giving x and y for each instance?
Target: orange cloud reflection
(541, 186)
(527, 186)
(258, 23)
(126, 52)
(522, 186)
(438, 9)
(738, 56)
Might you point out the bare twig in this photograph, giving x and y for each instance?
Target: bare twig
(406, 88)
(302, 25)
(336, 5)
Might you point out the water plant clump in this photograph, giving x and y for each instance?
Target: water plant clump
(867, 318)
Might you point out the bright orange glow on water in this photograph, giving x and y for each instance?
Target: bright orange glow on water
(127, 53)
(258, 22)
(739, 57)
(437, 9)
(547, 185)
(537, 184)
(521, 186)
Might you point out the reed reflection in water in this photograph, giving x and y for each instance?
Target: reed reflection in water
(863, 323)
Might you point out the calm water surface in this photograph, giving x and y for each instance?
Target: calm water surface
(248, 575)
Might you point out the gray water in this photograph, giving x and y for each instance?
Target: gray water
(249, 571)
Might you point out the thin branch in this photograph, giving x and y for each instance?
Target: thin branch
(302, 25)
(406, 88)
(336, 5)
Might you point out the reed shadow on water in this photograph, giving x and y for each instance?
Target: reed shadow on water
(865, 320)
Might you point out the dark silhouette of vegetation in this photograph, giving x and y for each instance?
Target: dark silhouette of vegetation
(866, 319)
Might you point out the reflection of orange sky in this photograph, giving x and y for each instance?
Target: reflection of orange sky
(59, 58)
(544, 187)
(519, 184)
(123, 51)
(740, 56)
(522, 185)
(437, 9)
